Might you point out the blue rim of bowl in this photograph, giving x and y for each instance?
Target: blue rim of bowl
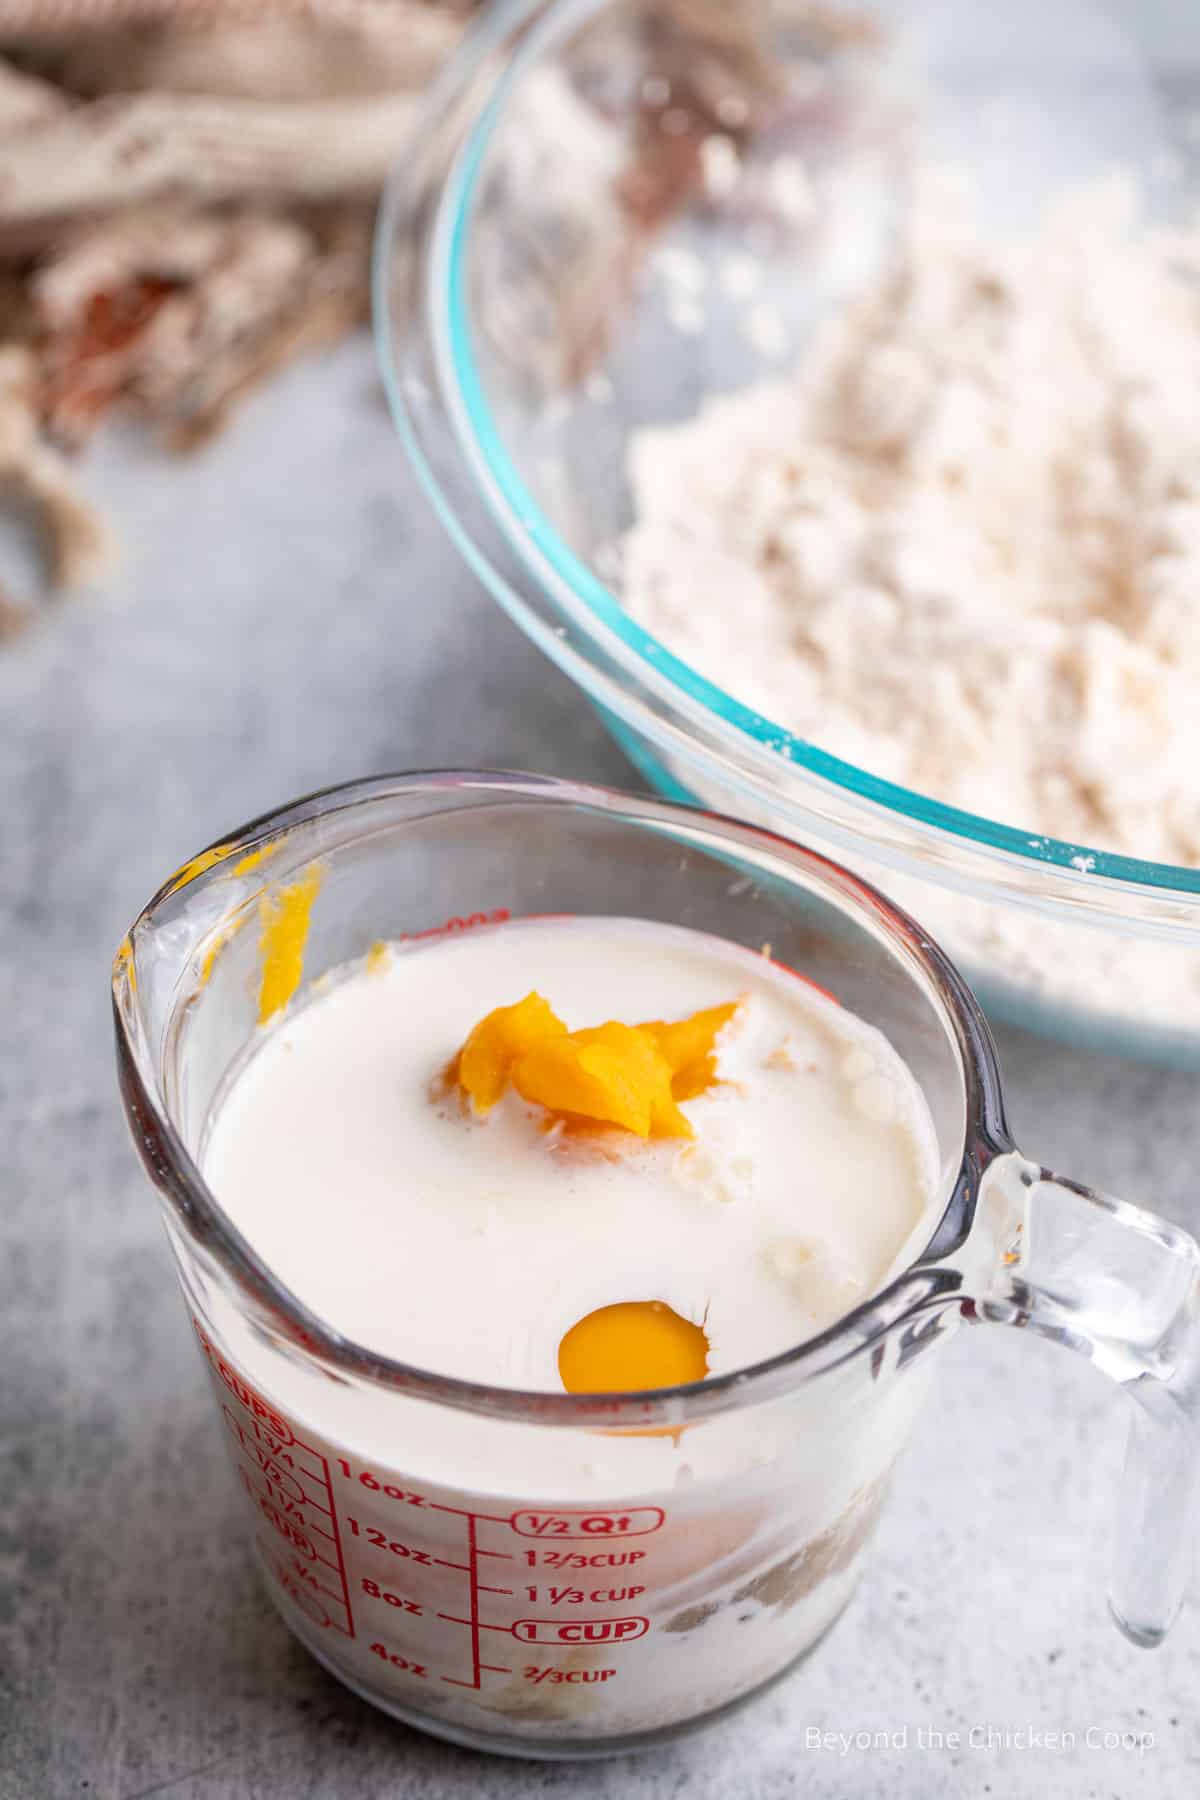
(597, 609)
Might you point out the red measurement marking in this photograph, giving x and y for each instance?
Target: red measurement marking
(300, 1571)
(375, 1486)
(241, 1390)
(580, 1631)
(397, 1600)
(299, 1595)
(311, 1525)
(284, 1481)
(467, 922)
(473, 1623)
(573, 1596)
(381, 1541)
(638, 1521)
(287, 1480)
(279, 1466)
(287, 1529)
(537, 1673)
(474, 1580)
(579, 1559)
(400, 1662)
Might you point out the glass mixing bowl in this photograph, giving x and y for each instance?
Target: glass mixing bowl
(550, 279)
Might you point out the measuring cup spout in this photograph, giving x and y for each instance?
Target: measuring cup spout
(1121, 1286)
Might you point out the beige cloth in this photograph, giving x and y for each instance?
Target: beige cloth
(186, 189)
(297, 101)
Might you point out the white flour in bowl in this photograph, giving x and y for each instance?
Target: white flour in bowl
(960, 545)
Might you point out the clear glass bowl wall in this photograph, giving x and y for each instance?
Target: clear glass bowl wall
(526, 334)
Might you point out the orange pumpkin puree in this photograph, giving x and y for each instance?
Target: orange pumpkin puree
(630, 1076)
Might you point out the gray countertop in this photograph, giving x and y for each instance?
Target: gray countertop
(290, 616)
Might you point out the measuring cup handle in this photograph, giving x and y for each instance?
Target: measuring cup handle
(1123, 1287)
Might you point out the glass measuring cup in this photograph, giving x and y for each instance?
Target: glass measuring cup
(458, 1553)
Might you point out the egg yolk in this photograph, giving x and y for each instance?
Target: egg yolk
(633, 1345)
